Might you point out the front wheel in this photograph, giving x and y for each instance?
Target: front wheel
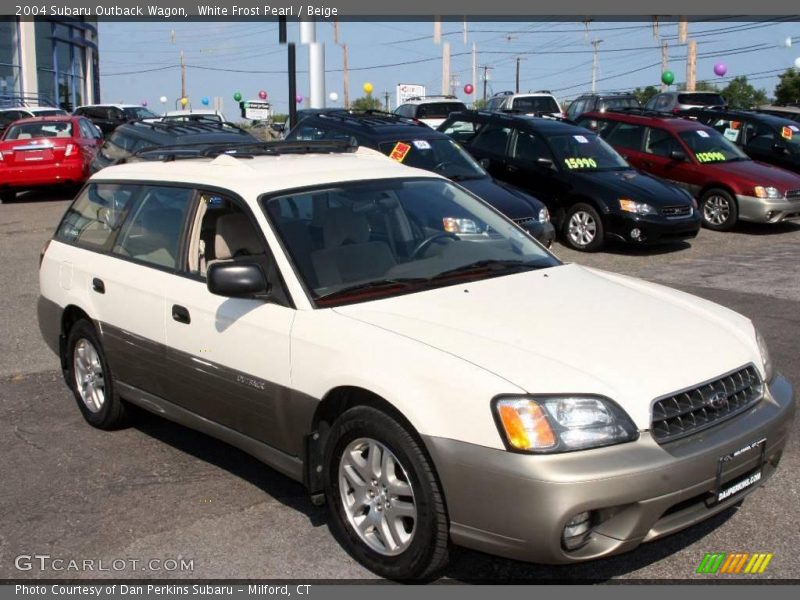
(386, 504)
(719, 210)
(583, 228)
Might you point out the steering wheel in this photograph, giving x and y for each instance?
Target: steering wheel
(425, 244)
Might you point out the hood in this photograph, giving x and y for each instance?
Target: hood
(636, 186)
(513, 205)
(574, 330)
(757, 173)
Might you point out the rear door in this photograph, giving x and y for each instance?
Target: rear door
(525, 170)
(627, 139)
(660, 160)
(490, 146)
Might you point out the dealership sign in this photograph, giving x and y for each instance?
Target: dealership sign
(257, 110)
(408, 90)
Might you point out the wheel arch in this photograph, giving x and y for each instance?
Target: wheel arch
(69, 316)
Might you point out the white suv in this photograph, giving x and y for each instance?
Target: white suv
(431, 110)
(538, 103)
(413, 357)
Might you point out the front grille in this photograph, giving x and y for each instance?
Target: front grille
(526, 222)
(676, 211)
(793, 194)
(703, 406)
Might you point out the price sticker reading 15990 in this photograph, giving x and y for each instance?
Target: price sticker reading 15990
(581, 163)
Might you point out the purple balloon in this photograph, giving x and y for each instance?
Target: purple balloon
(144, 102)
(720, 69)
(299, 98)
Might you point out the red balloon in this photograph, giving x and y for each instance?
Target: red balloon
(262, 95)
(468, 89)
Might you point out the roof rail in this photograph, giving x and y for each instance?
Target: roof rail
(187, 126)
(446, 96)
(370, 117)
(539, 92)
(643, 112)
(537, 114)
(242, 150)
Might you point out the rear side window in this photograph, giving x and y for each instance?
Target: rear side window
(492, 139)
(626, 135)
(462, 131)
(661, 143)
(495, 103)
(438, 110)
(701, 99)
(96, 216)
(536, 104)
(154, 228)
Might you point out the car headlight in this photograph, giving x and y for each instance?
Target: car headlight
(561, 423)
(639, 208)
(767, 192)
(544, 215)
(766, 360)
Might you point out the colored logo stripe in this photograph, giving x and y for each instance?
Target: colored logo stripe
(711, 562)
(724, 563)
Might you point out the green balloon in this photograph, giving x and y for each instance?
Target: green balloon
(668, 77)
(237, 96)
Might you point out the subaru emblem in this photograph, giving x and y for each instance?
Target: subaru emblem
(717, 400)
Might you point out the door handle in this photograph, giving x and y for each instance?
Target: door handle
(98, 286)
(181, 314)
(648, 163)
(512, 168)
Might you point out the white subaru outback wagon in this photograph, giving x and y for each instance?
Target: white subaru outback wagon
(415, 359)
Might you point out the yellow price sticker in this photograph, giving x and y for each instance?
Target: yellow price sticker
(705, 157)
(581, 163)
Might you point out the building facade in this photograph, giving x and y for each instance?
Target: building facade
(49, 62)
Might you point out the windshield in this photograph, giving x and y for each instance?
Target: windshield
(363, 240)
(438, 110)
(536, 104)
(139, 112)
(586, 152)
(47, 129)
(789, 136)
(710, 146)
(442, 156)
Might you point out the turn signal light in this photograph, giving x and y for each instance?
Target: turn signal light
(525, 425)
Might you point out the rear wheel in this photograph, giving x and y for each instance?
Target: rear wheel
(583, 228)
(386, 504)
(8, 196)
(719, 210)
(90, 379)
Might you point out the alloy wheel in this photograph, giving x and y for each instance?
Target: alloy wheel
(716, 210)
(582, 228)
(89, 378)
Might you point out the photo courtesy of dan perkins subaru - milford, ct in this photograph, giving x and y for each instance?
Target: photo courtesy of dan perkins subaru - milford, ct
(310, 303)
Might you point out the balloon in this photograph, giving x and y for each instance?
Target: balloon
(787, 43)
(797, 62)
(163, 99)
(144, 102)
(237, 96)
(299, 98)
(262, 95)
(333, 96)
(368, 87)
(468, 89)
(205, 101)
(720, 69)
(668, 77)
(184, 101)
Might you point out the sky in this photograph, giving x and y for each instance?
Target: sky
(139, 61)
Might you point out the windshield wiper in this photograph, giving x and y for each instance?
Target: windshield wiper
(464, 177)
(490, 264)
(401, 282)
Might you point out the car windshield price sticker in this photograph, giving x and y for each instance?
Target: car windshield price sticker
(787, 133)
(732, 134)
(581, 139)
(399, 151)
(705, 157)
(422, 145)
(581, 163)
(702, 133)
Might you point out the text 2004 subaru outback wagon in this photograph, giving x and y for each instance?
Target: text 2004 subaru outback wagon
(400, 347)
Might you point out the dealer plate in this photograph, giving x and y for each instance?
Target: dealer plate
(740, 484)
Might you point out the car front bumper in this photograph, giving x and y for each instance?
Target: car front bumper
(652, 229)
(763, 210)
(517, 505)
(543, 231)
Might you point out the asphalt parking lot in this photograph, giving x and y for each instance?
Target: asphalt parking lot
(160, 491)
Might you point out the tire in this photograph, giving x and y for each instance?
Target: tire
(8, 196)
(90, 379)
(416, 547)
(582, 228)
(719, 210)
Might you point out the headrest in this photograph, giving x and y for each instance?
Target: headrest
(343, 226)
(236, 235)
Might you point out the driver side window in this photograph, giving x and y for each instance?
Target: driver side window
(529, 147)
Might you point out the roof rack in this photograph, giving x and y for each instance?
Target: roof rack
(179, 126)
(504, 93)
(539, 92)
(445, 96)
(537, 114)
(643, 112)
(370, 117)
(242, 150)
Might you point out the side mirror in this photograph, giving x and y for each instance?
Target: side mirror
(237, 280)
(485, 163)
(678, 155)
(545, 163)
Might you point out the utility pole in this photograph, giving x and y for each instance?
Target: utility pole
(664, 62)
(445, 68)
(516, 87)
(474, 71)
(691, 66)
(183, 76)
(290, 69)
(345, 72)
(486, 70)
(595, 44)
(683, 30)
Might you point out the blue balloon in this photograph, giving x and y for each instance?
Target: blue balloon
(205, 101)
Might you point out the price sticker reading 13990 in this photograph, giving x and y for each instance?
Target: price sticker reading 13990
(581, 163)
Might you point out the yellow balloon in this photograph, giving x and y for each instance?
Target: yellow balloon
(184, 101)
(368, 88)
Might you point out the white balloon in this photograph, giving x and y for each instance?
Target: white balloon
(163, 99)
(788, 42)
(333, 96)
(797, 62)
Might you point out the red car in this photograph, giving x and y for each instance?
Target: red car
(46, 151)
(727, 184)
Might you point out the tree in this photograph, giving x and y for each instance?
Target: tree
(788, 90)
(479, 104)
(366, 103)
(643, 95)
(740, 94)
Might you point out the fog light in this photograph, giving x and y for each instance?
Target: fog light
(770, 214)
(577, 531)
(636, 233)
